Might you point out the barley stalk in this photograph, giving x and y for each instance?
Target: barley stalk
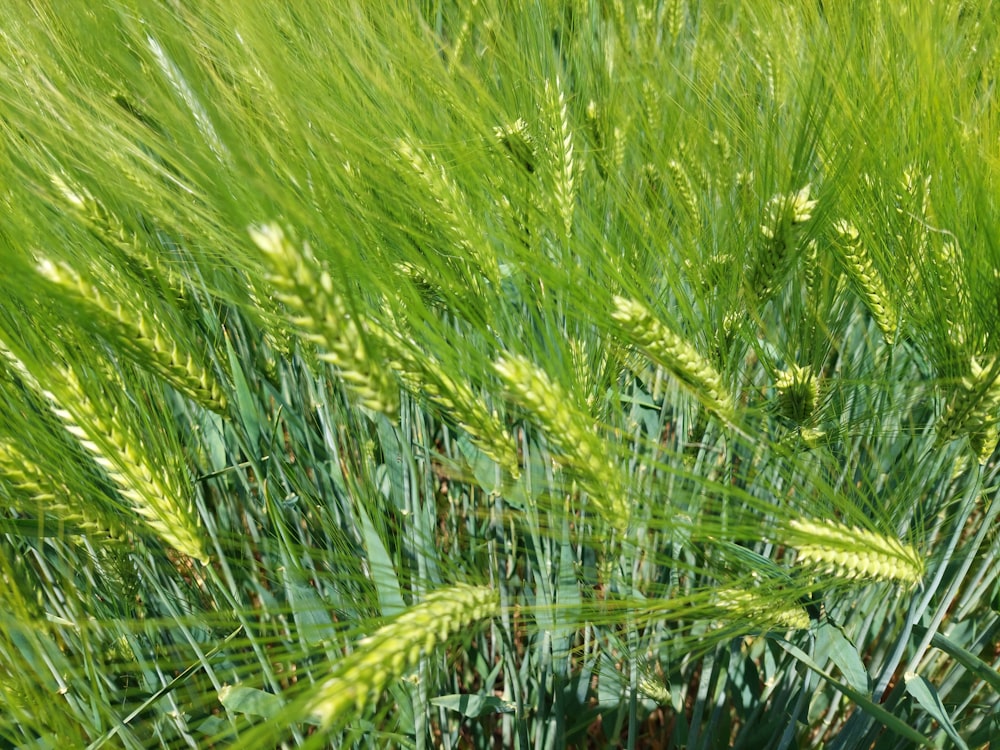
(853, 553)
(322, 318)
(867, 280)
(141, 332)
(397, 647)
(674, 353)
(569, 431)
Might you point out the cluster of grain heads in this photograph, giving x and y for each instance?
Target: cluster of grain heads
(155, 489)
(974, 409)
(674, 353)
(136, 326)
(394, 649)
(784, 216)
(866, 279)
(570, 431)
(852, 554)
(321, 317)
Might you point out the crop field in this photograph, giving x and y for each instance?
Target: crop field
(473, 374)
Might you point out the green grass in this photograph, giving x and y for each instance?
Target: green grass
(537, 375)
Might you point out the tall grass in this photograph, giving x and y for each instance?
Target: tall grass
(485, 374)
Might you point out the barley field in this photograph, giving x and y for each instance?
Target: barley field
(488, 374)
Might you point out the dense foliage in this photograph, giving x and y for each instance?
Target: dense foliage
(465, 374)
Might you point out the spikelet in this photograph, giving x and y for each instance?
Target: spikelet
(853, 553)
(867, 280)
(669, 350)
(974, 409)
(136, 327)
(750, 605)
(153, 489)
(321, 317)
(397, 647)
(564, 168)
(569, 431)
(51, 496)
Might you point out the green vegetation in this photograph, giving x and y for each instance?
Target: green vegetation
(476, 374)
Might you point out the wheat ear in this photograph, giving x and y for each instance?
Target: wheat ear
(397, 647)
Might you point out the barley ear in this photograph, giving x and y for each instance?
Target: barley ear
(137, 327)
(674, 353)
(425, 376)
(49, 495)
(798, 393)
(974, 409)
(154, 489)
(852, 554)
(753, 606)
(563, 165)
(570, 431)
(386, 655)
(784, 216)
(322, 318)
(867, 280)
